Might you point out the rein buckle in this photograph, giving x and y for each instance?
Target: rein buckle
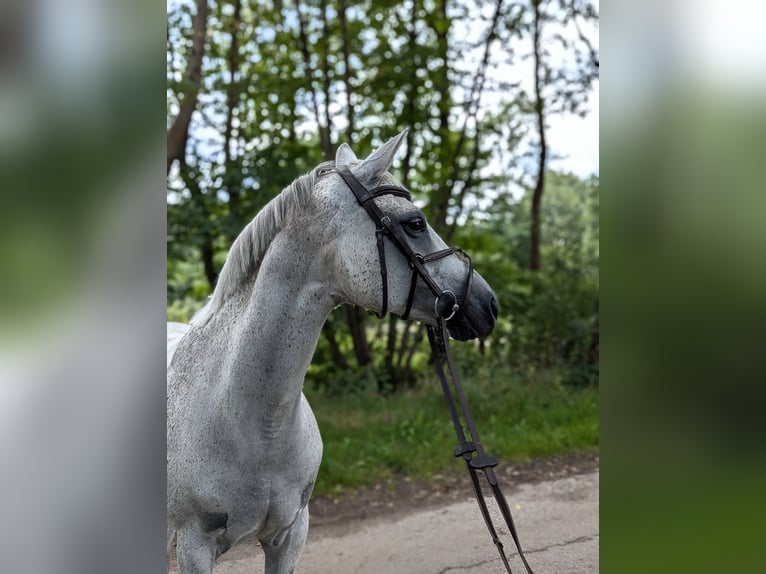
(483, 461)
(464, 448)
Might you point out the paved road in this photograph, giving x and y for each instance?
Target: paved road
(557, 522)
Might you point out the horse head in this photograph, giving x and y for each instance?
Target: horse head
(386, 266)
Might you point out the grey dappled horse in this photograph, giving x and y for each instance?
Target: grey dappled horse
(243, 446)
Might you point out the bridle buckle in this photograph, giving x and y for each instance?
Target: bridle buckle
(455, 306)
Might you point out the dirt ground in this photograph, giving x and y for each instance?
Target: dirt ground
(335, 519)
(337, 514)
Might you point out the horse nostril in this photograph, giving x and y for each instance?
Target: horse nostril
(493, 307)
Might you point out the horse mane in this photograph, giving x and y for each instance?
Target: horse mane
(247, 251)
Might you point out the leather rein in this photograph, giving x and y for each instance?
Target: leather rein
(446, 307)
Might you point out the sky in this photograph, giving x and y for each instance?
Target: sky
(576, 140)
(573, 140)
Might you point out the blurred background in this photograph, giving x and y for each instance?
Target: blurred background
(683, 236)
(502, 154)
(82, 286)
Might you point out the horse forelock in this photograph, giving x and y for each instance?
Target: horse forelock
(247, 251)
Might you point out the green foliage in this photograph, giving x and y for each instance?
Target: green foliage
(282, 87)
(369, 437)
(327, 376)
(548, 318)
(182, 310)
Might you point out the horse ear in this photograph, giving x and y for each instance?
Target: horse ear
(345, 155)
(378, 162)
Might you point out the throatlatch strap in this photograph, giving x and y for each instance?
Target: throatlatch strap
(466, 448)
(411, 295)
(379, 233)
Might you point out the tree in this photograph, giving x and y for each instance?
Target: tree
(279, 84)
(539, 104)
(178, 133)
(559, 84)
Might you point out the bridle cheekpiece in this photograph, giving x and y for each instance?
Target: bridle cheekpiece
(446, 304)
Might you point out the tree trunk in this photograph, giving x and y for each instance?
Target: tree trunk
(440, 200)
(207, 262)
(326, 85)
(178, 133)
(411, 351)
(324, 131)
(391, 369)
(206, 236)
(332, 340)
(537, 194)
(357, 326)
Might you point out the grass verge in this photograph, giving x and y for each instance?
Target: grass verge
(369, 438)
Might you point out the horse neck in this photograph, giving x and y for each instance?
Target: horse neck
(274, 329)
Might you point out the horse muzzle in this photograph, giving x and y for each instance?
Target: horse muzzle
(477, 316)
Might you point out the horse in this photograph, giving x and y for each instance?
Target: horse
(243, 446)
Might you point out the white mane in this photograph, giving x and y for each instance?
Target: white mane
(246, 253)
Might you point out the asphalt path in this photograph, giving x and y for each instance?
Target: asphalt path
(557, 521)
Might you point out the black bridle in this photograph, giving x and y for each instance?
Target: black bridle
(446, 307)
(445, 302)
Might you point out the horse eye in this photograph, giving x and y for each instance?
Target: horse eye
(418, 224)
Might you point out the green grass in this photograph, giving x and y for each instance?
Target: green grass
(370, 438)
